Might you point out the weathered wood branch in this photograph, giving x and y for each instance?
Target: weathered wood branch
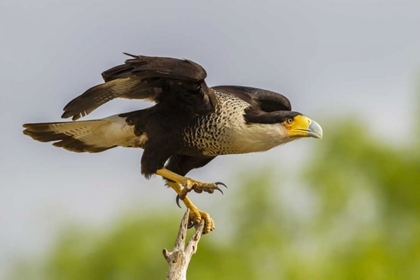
(180, 256)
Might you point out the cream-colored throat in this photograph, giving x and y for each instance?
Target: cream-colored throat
(260, 137)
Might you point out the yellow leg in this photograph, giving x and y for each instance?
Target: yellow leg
(188, 183)
(195, 214)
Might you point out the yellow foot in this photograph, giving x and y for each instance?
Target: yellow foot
(199, 187)
(189, 184)
(196, 216)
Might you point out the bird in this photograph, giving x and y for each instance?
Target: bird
(188, 126)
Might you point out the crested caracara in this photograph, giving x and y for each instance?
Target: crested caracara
(189, 125)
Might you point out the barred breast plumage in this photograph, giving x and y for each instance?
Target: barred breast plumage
(213, 134)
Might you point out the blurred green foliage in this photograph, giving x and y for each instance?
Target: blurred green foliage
(364, 223)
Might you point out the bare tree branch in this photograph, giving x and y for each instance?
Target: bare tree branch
(180, 256)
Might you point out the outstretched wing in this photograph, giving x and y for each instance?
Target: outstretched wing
(268, 101)
(141, 77)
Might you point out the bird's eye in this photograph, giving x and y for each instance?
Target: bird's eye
(289, 121)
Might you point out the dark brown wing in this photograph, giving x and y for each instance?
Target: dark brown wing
(141, 77)
(268, 101)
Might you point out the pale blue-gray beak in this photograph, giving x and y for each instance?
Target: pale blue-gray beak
(315, 130)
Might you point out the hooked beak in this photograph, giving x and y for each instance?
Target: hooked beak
(315, 130)
(305, 127)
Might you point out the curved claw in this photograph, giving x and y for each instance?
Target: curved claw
(191, 224)
(217, 184)
(177, 201)
(220, 183)
(217, 188)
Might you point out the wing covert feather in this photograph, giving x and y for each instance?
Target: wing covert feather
(140, 77)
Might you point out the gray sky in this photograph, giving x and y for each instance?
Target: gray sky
(331, 58)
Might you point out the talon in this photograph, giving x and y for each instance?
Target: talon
(191, 224)
(182, 194)
(200, 187)
(195, 218)
(217, 188)
(177, 201)
(195, 215)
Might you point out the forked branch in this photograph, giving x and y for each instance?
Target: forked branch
(180, 256)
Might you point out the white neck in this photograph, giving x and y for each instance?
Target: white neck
(260, 137)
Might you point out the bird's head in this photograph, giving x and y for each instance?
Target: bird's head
(297, 125)
(266, 130)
